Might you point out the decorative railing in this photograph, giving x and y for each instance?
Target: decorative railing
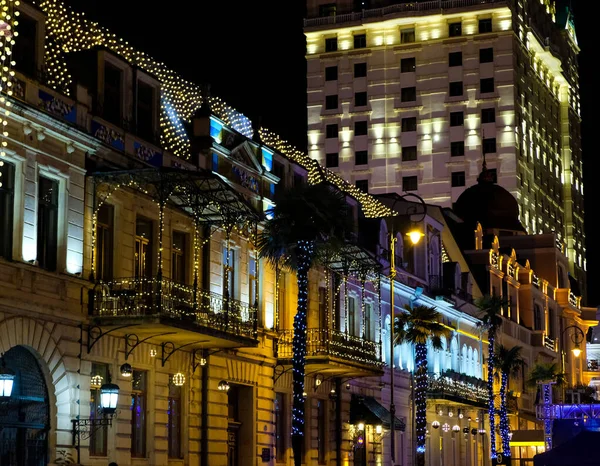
(572, 299)
(456, 386)
(408, 7)
(535, 281)
(549, 343)
(322, 342)
(568, 411)
(148, 296)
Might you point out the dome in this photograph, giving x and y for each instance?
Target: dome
(489, 204)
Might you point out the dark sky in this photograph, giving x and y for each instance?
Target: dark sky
(252, 53)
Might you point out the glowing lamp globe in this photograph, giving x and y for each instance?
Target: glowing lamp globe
(126, 370)
(7, 379)
(415, 236)
(435, 424)
(576, 351)
(456, 428)
(109, 396)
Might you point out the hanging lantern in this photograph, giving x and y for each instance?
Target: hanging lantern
(96, 381)
(152, 352)
(126, 370)
(178, 379)
(109, 396)
(435, 424)
(466, 430)
(456, 428)
(7, 379)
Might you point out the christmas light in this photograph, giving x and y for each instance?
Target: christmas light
(178, 379)
(420, 395)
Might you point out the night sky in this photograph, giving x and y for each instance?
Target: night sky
(252, 54)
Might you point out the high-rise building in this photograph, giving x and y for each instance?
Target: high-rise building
(413, 97)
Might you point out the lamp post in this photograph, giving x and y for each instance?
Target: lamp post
(407, 208)
(7, 379)
(577, 337)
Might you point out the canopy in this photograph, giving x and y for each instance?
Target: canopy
(368, 410)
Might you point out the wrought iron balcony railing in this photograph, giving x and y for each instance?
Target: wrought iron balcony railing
(332, 343)
(148, 296)
(406, 7)
(457, 387)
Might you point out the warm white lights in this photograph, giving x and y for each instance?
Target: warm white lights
(178, 379)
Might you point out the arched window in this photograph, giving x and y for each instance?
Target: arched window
(454, 354)
(464, 359)
(477, 365)
(385, 338)
(470, 360)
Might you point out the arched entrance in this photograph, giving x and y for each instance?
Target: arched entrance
(24, 418)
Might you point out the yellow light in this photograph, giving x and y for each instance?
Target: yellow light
(378, 429)
(361, 426)
(415, 236)
(576, 351)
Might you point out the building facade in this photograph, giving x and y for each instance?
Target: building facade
(412, 96)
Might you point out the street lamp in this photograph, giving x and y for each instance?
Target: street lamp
(577, 337)
(402, 207)
(7, 379)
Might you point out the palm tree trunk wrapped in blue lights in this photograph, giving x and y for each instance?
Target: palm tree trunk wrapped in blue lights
(418, 325)
(509, 363)
(491, 308)
(307, 224)
(305, 253)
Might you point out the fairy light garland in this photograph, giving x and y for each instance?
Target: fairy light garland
(68, 31)
(504, 426)
(8, 32)
(490, 387)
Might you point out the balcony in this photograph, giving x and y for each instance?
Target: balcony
(333, 352)
(411, 8)
(154, 305)
(457, 387)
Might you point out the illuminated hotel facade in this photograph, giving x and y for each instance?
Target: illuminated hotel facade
(406, 97)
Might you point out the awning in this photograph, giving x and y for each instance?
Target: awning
(527, 438)
(369, 411)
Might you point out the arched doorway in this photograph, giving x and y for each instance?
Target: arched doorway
(24, 418)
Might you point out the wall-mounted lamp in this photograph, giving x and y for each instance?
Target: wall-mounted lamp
(7, 379)
(223, 386)
(318, 380)
(126, 370)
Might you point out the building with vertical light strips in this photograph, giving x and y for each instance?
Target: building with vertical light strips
(411, 96)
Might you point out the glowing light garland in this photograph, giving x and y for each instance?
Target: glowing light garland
(68, 32)
(491, 395)
(8, 33)
(504, 427)
(305, 253)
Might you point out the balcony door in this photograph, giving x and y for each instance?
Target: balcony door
(143, 248)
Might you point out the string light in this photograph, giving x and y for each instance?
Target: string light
(490, 386)
(421, 396)
(504, 426)
(178, 379)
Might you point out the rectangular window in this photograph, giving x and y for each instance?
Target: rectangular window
(145, 111)
(409, 124)
(360, 70)
(143, 248)
(409, 183)
(331, 73)
(321, 430)
(456, 89)
(486, 55)
(360, 41)
(455, 59)
(489, 145)
(458, 179)
(47, 227)
(331, 160)
(280, 427)
(361, 157)
(174, 420)
(104, 243)
(488, 115)
(370, 322)
(457, 148)
(331, 102)
(252, 280)
(178, 257)
(363, 185)
(7, 196)
(25, 48)
(485, 25)
(409, 153)
(408, 94)
(486, 85)
(98, 436)
(138, 414)
(408, 65)
(113, 90)
(457, 118)
(331, 131)
(331, 44)
(323, 314)
(229, 272)
(360, 128)
(455, 29)
(407, 36)
(352, 316)
(360, 99)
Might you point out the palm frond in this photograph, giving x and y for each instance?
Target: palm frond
(543, 372)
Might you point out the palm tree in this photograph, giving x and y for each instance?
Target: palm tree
(545, 372)
(418, 325)
(306, 223)
(509, 363)
(491, 308)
